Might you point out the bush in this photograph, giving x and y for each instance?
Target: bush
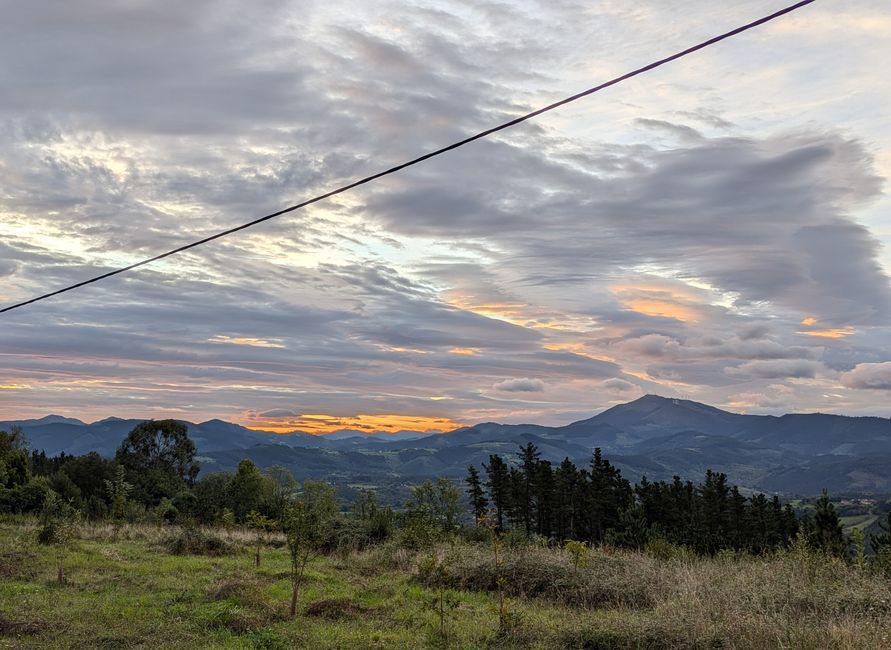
(192, 541)
(621, 580)
(25, 498)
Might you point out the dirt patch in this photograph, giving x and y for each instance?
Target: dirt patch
(17, 565)
(337, 608)
(235, 588)
(9, 627)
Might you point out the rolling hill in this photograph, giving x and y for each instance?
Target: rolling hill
(795, 454)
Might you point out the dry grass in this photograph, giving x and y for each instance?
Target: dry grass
(792, 599)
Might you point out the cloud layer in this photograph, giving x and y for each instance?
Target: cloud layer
(716, 230)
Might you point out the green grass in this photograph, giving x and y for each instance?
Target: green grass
(858, 521)
(131, 593)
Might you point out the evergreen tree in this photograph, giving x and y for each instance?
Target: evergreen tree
(498, 484)
(544, 498)
(525, 497)
(824, 530)
(632, 530)
(565, 499)
(478, 500)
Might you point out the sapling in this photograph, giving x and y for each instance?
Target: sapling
(260, 524)
(117, 490)
(306, 523)
(58, 526)
(436, 567)
(491, 522)
(578, 551)
(858, 544)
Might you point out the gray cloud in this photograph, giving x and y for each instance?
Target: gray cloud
(520, 385)
(778, 369)
(620, 385)
(869, 376)
(278, 413)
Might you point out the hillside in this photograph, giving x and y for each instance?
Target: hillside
(129, 590)
(795, 454)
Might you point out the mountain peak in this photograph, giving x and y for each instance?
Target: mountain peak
(652, 413)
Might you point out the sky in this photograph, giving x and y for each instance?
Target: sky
(716, 230)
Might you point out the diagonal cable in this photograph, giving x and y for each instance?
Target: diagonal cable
(419, 159)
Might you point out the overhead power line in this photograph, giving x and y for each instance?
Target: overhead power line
(420, 159)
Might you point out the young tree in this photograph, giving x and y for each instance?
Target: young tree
(118, 489)
(478, 500)
(261, 525)
(58, 521)
(306, 524)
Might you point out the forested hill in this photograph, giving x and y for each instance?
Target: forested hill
(653, 436)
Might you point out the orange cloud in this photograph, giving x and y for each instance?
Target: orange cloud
(833, 333)
(508, 311)
(576, 348)
(661, 308)
(244, 340)
(665, 300)
(322, 423)
(468, 352)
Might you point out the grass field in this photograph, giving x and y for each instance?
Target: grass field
(132, 593)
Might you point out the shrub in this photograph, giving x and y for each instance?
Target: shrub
(192, 541)
(621, 580)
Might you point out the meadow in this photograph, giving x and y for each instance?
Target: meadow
(135, 587)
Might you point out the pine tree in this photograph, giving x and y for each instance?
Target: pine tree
(566, 487)
(478, 500)
(529, 455)
(544, 498)
(632, 531)
(498, 484)
(825, 529)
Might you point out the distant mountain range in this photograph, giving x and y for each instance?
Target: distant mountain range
(797, 454)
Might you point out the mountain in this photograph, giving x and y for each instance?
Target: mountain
(653, 436)
(47, 419)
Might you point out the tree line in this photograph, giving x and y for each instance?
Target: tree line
(530, 496)
(595, 504)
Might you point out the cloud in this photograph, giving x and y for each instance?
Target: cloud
(605, 243)
(619, 385)
(869, 376)
(279, 413)
(778, 369)
(520, 385)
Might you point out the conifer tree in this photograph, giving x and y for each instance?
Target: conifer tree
(498, 484)
(824, 530)
(529, 456)
(478, 500)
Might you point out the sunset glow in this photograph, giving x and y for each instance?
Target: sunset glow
(321, 423)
